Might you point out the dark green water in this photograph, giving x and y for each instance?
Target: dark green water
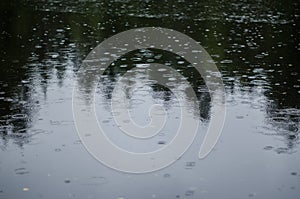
(256, 46)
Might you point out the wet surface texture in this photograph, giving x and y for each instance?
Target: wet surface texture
(255, 44)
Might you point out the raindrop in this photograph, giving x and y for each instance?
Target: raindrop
(226, 61)
(161, 142)
(24, 81)
(25, 189)
(268, 148)
(161, 69)
(189, 165)
(59, 30)
(19, 116)
(38, 46)
(142, 65)
(252, 195)
(281, 150)
(167, 175)
(294, 173)
(77, 142)
(21, 171)
(150, 60)
(189, 193)
(172, 79)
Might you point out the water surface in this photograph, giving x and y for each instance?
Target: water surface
(255, 45)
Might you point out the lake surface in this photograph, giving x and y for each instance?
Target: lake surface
(255, 45)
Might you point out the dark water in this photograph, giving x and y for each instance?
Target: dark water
(255, 45)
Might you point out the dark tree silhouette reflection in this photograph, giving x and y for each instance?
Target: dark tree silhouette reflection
(255, 44)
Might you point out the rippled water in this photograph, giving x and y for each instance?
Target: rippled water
(255, 45)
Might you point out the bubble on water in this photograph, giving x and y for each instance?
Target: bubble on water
(25, 189)
(137, 101)
(22, 131)
(190, 165)
(126, 121)
(21, 171)
(60, 30)
(257, 106)
(78, 142)
(293, 173)
(292, 127)
(226, 61)
(53, 55)
(172, 79)
(136, 59)
(115, 113)
(189, 193)
(25, 81)
(6, 129)
(19, 116)
(99, 180)
(167, 175)
(268, 148)
(281, 150)
(150, 60)
(143, 65)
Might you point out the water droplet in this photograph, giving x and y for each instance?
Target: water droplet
(142, 65)
(161, 142)
(19, 116)
(294, 173)
(268, 148)
(21, 171)
(167, 175)
(189, 193)
(282, 150)
(189, 165)
(226, 61)
(25, 189)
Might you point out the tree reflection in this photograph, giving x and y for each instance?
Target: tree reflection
(134, 58)
(253, 46)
